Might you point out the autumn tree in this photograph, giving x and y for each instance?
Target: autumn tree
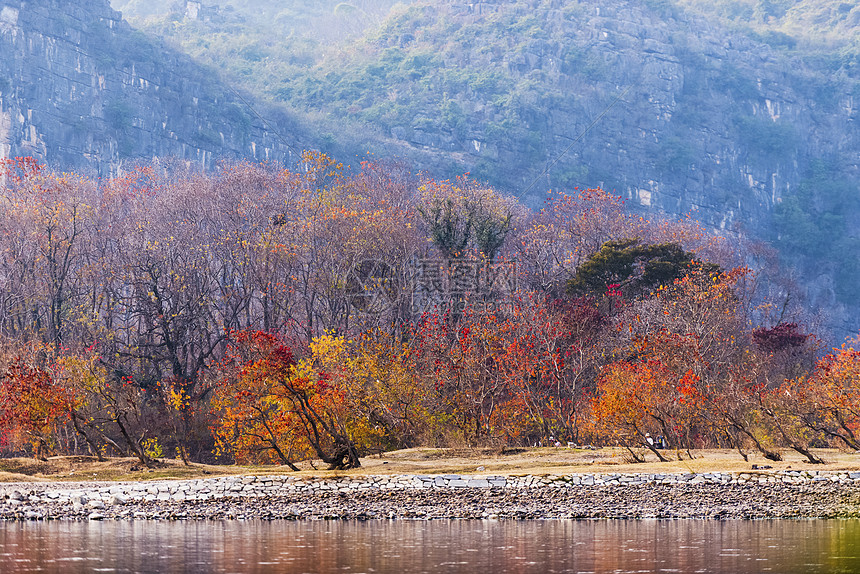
(458, 357)
(643, 399)
(268, 401)
(111, 412)
(704, 311)
(549, 353)
(392, 400)
(555, 241)
(46, 222)
(826, 401)
(32, 404)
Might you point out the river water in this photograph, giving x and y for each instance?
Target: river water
(401, 547)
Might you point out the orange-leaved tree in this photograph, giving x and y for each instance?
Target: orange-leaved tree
(646, 398)
(548, 354)
(32, 405)
(274, 408)
(828, 401)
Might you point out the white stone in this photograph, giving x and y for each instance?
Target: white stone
(8, 17)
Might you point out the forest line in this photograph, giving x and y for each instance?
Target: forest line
(262, 315)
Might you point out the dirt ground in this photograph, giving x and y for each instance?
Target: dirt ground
(423, 461)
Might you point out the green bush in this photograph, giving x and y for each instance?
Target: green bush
(207, 137)
(118, 114)
(773, 139)
(816, 224)
(675, 155)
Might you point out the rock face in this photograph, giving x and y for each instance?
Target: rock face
(713, 121)
(680, 115)
(80, 89)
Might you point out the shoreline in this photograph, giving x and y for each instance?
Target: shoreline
(716, 496)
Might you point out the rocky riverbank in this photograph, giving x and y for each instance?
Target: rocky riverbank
(750, 495)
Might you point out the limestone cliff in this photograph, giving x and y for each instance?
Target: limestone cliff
(81, 89)
(686, 116)
(713, 121)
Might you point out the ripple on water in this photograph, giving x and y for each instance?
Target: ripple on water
(441, 546)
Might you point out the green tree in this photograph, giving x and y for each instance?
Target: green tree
(635, 267)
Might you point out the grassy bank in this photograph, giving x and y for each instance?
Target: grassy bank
(419, 461)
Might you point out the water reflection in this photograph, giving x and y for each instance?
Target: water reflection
(438, 546)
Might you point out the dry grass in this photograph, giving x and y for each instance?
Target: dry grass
(565, 461)
(82, 468)
(421, 461)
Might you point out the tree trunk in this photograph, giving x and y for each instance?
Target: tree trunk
(93, 448)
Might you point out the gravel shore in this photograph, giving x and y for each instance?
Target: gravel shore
(784, 494)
